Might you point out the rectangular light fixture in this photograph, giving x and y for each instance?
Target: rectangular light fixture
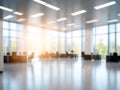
(61, 19)
(18, 13)
(114, 20)
(37, 15)
(47, 5)
(52, 7)
(8, 17)
(118, 14)
(51, 22)
(105, 5)
(21, 20)
(40, 2)
(78, 12)
(71, 24)
(92, 21)
(6, 9)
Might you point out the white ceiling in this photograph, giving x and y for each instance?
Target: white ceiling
(29, 7)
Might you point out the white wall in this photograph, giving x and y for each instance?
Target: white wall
(1, 47)
(88, 39)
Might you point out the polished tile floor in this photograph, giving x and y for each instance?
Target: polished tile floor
(61, 74)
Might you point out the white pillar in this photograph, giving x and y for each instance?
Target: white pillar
(88, 39)
(1, 47)
(43, 41)
(25, 38)
(65, 41)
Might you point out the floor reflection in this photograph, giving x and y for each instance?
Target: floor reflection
(61, 74)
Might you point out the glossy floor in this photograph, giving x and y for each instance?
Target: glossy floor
(61, 74)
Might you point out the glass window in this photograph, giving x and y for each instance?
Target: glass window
(94, 43)
(52, 33)
(118, 43)
(77, 45)
(69, 34)
(76, 33)
(112, 43)
(69, 45)
(111, 28)
(13, 44)
(83, 32)
(5, 44)
(13, 26)
(55, 45)
(94, 30)
(6, 33)
(10, 34)
(62, 45)
(102, 30)
(62, 34)
(20, 27)
(20, 34)
(37, 39)
(83, 44)
(101, 44)
(20, 45)
(34, 29)
(6, 25)
(112, 38)
(13, 33)
(118, 27)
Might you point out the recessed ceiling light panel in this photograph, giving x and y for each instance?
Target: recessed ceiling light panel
(114, 20)
(21, 20)
(47, 5)
(105, 5)
(92, 21)
(18, 13)
(37, 15)
(61, 19)
(51, 22)
(40, 2)
(52, 7)
(8, 17)
(78, 12)
(6, 9)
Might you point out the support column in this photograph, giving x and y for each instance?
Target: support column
(65, 41)
(88, 39)
(1, 39)
(1, 47)
(43, 41)
(25, 38)
(59, 42)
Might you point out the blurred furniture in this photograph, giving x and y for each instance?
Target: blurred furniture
(113, 58)
(57, 55)
(87, 57)
(82, 55)
(14, 58)
(25, 53)
(92, 56)
(68, 56)
(6, 57)
(97, 57)
(31, 56)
